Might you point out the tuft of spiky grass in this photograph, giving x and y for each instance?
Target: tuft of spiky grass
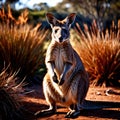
(9, 90)
(21, 48)
(100, 54)
(21, 45)
(6, 16)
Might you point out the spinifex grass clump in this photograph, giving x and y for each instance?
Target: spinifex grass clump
(9, 105)
(100, 54)
(21, 48)
(21, 45)
(7, 17)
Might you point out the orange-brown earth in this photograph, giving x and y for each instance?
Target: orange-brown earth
(97, 97)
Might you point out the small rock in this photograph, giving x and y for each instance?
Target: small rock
(98, 93)
(109, 91)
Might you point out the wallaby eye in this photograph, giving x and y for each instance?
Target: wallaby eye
(56, 30)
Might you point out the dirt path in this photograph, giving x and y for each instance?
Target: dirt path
(96, 97)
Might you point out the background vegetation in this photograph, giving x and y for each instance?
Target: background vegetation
(100, 53)
(25, 35)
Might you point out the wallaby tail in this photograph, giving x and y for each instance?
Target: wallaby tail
(87, 104)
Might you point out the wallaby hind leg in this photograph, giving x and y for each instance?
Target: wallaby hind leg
(50, 101)
(82, 88)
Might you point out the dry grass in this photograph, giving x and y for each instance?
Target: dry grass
(6, 16)
(21, 45)
(100, 54)
(21, 50)
(9, 90)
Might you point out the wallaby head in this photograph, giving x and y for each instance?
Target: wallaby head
(60, 28)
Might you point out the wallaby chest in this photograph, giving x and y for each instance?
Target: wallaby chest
(59, 61)
(59, 54)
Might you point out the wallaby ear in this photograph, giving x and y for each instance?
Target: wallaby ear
(70, 19)
(51, 19)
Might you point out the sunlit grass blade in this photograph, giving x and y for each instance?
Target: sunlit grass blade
(100, 54)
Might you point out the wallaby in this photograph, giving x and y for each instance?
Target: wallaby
(66, 81)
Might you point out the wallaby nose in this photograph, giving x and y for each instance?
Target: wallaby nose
(60, 39)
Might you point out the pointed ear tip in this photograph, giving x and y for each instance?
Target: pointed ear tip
(49, 14)
(74, 14)
(46, 13)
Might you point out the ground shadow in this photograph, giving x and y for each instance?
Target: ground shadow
(102, 113)
(98, 109)
(88, 104)
(92, 109)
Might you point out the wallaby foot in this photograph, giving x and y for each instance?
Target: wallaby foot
(72, 114)
(43, 113)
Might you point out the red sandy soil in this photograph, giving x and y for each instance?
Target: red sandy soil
(97, 97)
